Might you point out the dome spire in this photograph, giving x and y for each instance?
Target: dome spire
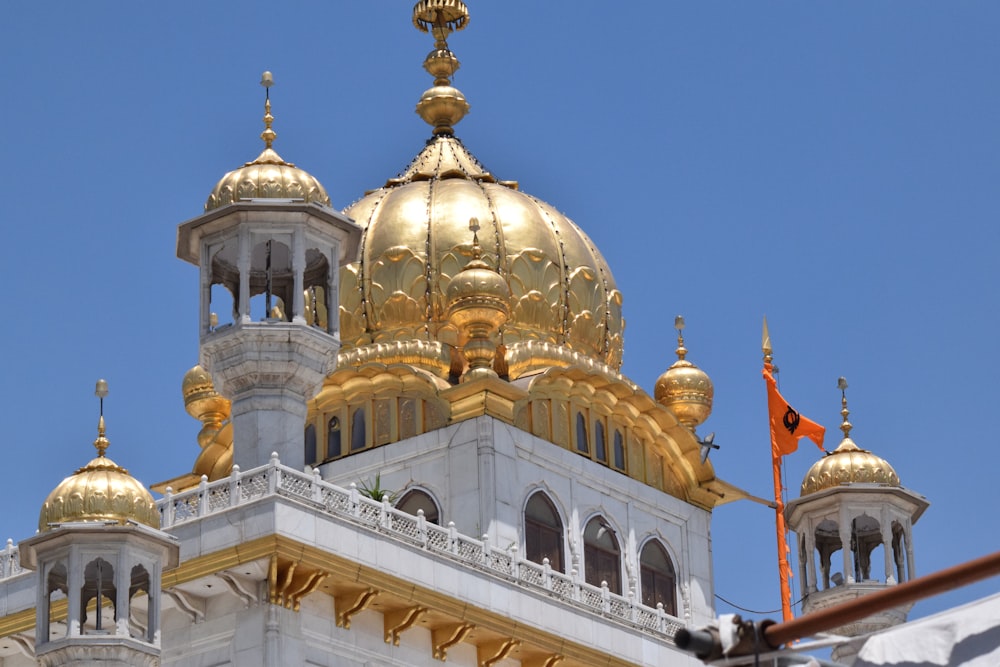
(442, 106)
(269, 176)
(845, 426)
(679, 326)
(101, 444)
(268, 135)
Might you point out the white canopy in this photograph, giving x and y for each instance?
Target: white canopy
(966, 636)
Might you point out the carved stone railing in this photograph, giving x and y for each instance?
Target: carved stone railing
(10, 561)
(274, 479)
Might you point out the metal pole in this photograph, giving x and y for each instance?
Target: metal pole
(922, 587)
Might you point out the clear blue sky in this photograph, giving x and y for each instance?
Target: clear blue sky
(834, 166)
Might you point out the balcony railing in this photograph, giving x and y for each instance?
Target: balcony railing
(275, 479)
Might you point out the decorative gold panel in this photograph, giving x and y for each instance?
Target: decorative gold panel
(407, 418)
(383, 421)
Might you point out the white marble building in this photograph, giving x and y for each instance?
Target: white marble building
(460, 471)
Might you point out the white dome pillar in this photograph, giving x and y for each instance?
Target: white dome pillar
(263, 256)
(102, 571)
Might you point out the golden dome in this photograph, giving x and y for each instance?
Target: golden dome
(101, 491)
(848, 464)
(415, 239)
(267, 177)
(685, 389)
(564, 306)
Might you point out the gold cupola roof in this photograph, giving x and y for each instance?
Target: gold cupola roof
(269, 176)
(684, 388)
(101, 491)
(565, 308)
(848, 463)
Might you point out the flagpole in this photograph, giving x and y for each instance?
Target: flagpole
(784, 569)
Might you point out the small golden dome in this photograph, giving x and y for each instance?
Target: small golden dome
(269, 176)
(101, 491)
(848, 464)
(478, 287)
(685, 389)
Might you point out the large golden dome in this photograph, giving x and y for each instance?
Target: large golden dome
(415, 238)
(101, 491)
(564, 309)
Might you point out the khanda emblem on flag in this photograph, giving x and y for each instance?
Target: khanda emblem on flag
(791, 420)
(787, 424)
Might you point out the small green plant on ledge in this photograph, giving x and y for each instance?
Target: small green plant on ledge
(376, 492)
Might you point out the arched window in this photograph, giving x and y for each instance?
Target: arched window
(358, 438)
(56, 590)
(582, 442)
(333, 448)
(543, 532)
(98, 585)
(601, 555)
(414, 500)
(657, 578)
(619, 450)
(139, 582)
(600, 444)
(310, 443)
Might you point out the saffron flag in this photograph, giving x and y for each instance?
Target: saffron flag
(787, 425)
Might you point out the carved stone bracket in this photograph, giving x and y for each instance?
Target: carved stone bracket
(288, 583)
(446, 636)
(493, 652)
(239, 589)
(349, 604)
(398, 621)
(543, 661)
(191, 605)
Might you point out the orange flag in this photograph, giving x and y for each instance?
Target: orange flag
(787, 425)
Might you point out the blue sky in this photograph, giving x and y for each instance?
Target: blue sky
(831, 165)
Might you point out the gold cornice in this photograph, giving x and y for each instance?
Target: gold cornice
(405, 592)
(544, 645)
(485, 396)
(24, 620)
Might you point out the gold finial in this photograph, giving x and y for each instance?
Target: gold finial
(844, 412)
(440, 18)
(268, 135)
(441, 106)
(101, 391)
(765, 343)
(679, 325)
(477, 251)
